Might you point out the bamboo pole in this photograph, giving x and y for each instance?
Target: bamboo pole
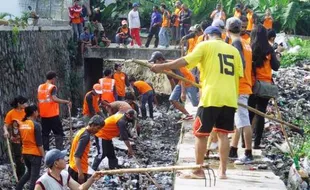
(283, 130)
(11, 159)
(146, 64)
(70, 123)
(154, 169)
(148, 175)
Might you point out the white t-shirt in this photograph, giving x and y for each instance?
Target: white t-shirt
(134, 19)
(48, 182)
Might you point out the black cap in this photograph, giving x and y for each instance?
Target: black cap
(156, 55)
(132, 113)
(117, 65)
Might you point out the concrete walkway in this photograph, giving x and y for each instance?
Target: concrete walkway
(239, 177)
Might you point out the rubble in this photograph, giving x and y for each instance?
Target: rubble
(293, 101)
(156, 146)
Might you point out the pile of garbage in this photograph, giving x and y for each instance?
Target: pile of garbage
(293, 102)
(156, 146)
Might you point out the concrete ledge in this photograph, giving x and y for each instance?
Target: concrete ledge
(129, 53)
(240, 177)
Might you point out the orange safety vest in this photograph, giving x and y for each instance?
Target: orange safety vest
(142, 86)
(188, 75)
(246, 37)
(200, 39)
(250, 21)
(245, 83)
(84, 158)
(110, 128)
(177, 13)
(264, 73)
(191, 44)
(95, 104)
(166, 20)
(268, 23)
(120, 83)
(107, 85)
(29, 145)
(237, 14)
(47, 107)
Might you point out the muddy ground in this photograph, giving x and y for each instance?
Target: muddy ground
(156, 146)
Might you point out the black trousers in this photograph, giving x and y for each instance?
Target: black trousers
(154, 31)
(75, 175)
(105, 148)
(258, 122)
(33, 164)
(17, 156)
(52, 124)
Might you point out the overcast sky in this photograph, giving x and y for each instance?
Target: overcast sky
(10, 6)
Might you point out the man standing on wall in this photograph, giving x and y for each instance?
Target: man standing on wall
(134, 24)
(176, 23)
(49, 111)
(75, 19)
(154, 28)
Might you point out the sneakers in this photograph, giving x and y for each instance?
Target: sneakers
(233, 154)
(117, 46)
(244, 160)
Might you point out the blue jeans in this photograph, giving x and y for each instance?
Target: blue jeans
(191, 92)
(164, 36)
(147, 97)
(120, 40)
(77, 30)
(185, 29)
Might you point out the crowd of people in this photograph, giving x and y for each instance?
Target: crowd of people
(227, 58)
(109, 110)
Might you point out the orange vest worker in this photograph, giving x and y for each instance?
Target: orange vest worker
(84, 158)
(264, 73)
(142, 87)
(237, 14)
(250, 21)
(188, 75)
(268, 23)
(166, 20)
(110, 129)
(27, 134)
(245, 83)
(120, 85)
(107, 85)
(47, 107)
(177, 13)
(95, 104)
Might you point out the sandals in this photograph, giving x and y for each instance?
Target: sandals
(191, 175)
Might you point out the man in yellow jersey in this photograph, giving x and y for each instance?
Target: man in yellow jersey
(220, 67)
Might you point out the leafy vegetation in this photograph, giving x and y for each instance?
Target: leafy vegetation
(301, 145)
(289, 59)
